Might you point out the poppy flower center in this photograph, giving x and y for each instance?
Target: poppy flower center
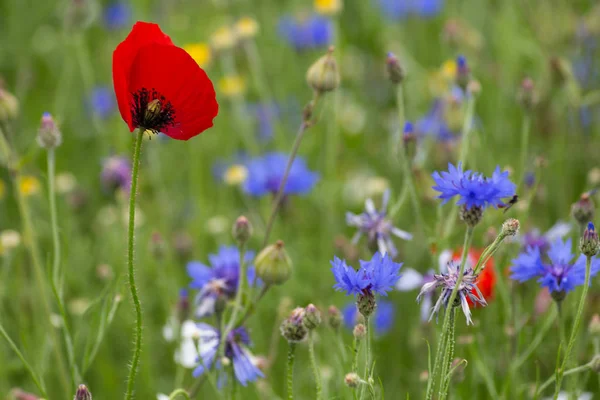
(151, 110)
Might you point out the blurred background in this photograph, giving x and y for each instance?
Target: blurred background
(56, 56)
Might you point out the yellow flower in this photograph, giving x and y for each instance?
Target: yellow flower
(441, 80)
(28, 185)
(328, 7)
(246, 27)
(223, 38)
(235, 174)
(2, 189)
(200, 52)
(232, 85)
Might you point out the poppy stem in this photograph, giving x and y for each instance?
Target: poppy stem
(576, 323)
(130, 267)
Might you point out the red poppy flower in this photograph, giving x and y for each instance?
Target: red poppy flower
(159, 87)
(487, 278)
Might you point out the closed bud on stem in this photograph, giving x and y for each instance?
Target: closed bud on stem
(294, 329)
(584, 209)
(183, 305)
(49, 136)
(510, 227)
(366, 304)
(528, 97)
(352, 380)
(323, 76)
(463, 72)
(594, 327)
(334, 317)
(242, 230)
(9, 106)
(360, 331)
(273, 264)
(471, 216)
(589, 243)
(83, 393)
(312, 317)
(409, 140)
(395, 71)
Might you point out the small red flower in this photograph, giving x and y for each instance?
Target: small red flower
(159, 87)
(487, 277)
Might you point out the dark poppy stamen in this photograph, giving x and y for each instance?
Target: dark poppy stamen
(151, 110)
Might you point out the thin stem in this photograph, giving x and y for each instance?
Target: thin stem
(290, 370)
(448, 357)
(581, 368)
(238, 299)
(366, 374)
(130, 267)
(576, 323)
(408, 178)
(38, 381)
(313, 364)
(356, 349)
(445, 326)
(179, 392)
(279, 196)
(251, 307)
(55, 281)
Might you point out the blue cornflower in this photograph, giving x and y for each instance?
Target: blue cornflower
(383, 318)
(117, 16)
(312, 32)
(236, 350)
(556, 269)
(534, 238)
(266, 172)
(102, 101)
(376, 276)
(220, 280)
(377, 226)
(399, 9)
(434, 123)
(473, 189)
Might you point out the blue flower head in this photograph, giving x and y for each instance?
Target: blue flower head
(383, 318)
(473, 189)
(102, 101)
(117, 16)
(266, 173)
(556, 269)
(219, 280)
(236, 349)
(434, 123)
(313, 32)
(400, 9)
(376, 276)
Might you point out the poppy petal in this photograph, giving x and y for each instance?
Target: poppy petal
(141, 35)
(175, 75)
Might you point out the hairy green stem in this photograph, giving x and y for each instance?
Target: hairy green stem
(367, 373)
(581, 368)
(179, 392)
(313, 363)
(448, 357)
(238, 299)
(130, 267)
(290, 370)
(356, 350)
(575, 330)
(56, 275)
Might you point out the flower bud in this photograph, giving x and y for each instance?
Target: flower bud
(334, 317)
(242, 230)
(83, 393)
(366, 304)
(527, 96)
(471, 216)
(463, 72)
(183, 305)
(352, 380)
(409, 140)
(293, 328)
(589, 243)
(157, 245)
(584, 209)
(312, 317)
(510, 227)
(49, 136)
(558, 295)
(395, 71)
(360, 331)
(323, 76)
(9, 106)
(19, 394)
(273, 264)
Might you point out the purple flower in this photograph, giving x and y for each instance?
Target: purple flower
(236, 349)
(473, 189)
(116, 173)
(448, 281)
(117, 16)
(400, 9)
(556, 269)
(220, 280)
(378, 228)
(383, 317)
(265, 174)
(534, 238)
(376, 276)
(310, 33)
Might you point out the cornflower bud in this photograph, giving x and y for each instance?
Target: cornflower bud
(510, 227)
(395, 71)
(584, 209)
(293, 329)
(242, 230)
(312, 317)
(589, 243)
(334, 317)
(360, 331)
(273, 264)
(352, 380)
(83, 393)
(323, 76)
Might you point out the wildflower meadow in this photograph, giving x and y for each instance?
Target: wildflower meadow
(310, 200)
